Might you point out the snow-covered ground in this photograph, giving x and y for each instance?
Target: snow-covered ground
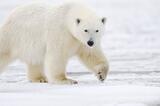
(132, 44)
(80, 95)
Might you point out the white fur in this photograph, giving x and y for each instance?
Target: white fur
(45, 37)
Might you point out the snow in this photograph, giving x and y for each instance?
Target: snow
(120, 89)
(78, 95)
(132, 45)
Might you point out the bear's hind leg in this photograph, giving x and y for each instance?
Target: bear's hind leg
(5, 59)
(35, 73)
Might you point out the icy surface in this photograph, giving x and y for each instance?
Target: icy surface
(80, 95)
(132, 44)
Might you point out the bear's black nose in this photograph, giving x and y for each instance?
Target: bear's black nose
(90, 43)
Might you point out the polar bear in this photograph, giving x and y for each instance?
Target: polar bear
(46, 37)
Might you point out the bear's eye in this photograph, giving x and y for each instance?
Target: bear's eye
(85, 30)
(97, 30)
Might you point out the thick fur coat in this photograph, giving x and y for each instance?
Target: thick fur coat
(45, 37)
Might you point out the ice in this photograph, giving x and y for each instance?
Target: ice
(97, 95)
(132, 45)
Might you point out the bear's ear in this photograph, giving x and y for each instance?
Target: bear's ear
(78, 21)
(103, 20)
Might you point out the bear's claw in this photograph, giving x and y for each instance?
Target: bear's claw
(102, 73)
(41, 80)
(64, 81)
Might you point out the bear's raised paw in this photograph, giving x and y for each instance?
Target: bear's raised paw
(102, 73)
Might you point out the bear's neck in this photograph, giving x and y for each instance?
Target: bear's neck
(72, 45)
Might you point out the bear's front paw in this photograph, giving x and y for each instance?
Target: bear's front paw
(64, 81)
(101, 72)
(39, 80)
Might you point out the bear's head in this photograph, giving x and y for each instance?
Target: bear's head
(85, 25)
